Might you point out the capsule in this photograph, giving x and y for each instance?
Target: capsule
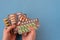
(13, 19)
(6, 22)
(34, 25)
(26, 28)
(19, 30)
(22, 17)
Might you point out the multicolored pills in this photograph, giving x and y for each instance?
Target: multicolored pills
(22, 22)
(13, 19)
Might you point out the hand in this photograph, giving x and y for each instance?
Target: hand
(29, 36)
(7, 35)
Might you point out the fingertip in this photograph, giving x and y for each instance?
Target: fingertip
(24, 34)
(15, 32)
(11, 27)
(31, 28)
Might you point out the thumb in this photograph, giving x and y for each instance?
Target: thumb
(10, 28)
(32, 31)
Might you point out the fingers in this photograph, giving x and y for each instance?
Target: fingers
(15, 30)
(31, 33)
(8, 29)
(24, 34)
(31, 29)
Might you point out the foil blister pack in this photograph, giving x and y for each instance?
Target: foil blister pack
(21, 21)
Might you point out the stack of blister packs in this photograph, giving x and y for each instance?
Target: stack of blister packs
(21, 21)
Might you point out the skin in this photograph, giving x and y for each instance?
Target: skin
(29, 36)
(7, 35)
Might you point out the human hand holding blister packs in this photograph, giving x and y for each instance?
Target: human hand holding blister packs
(22, 23)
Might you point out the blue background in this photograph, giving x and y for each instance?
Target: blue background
(46, 10)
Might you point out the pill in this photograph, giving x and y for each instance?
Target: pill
(13, 18)
(19, 32)
(27, 25)
(22, 29)
(26, 29)
(34, 26)
(6, 22)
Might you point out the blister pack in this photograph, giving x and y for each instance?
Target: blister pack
(22, 22)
